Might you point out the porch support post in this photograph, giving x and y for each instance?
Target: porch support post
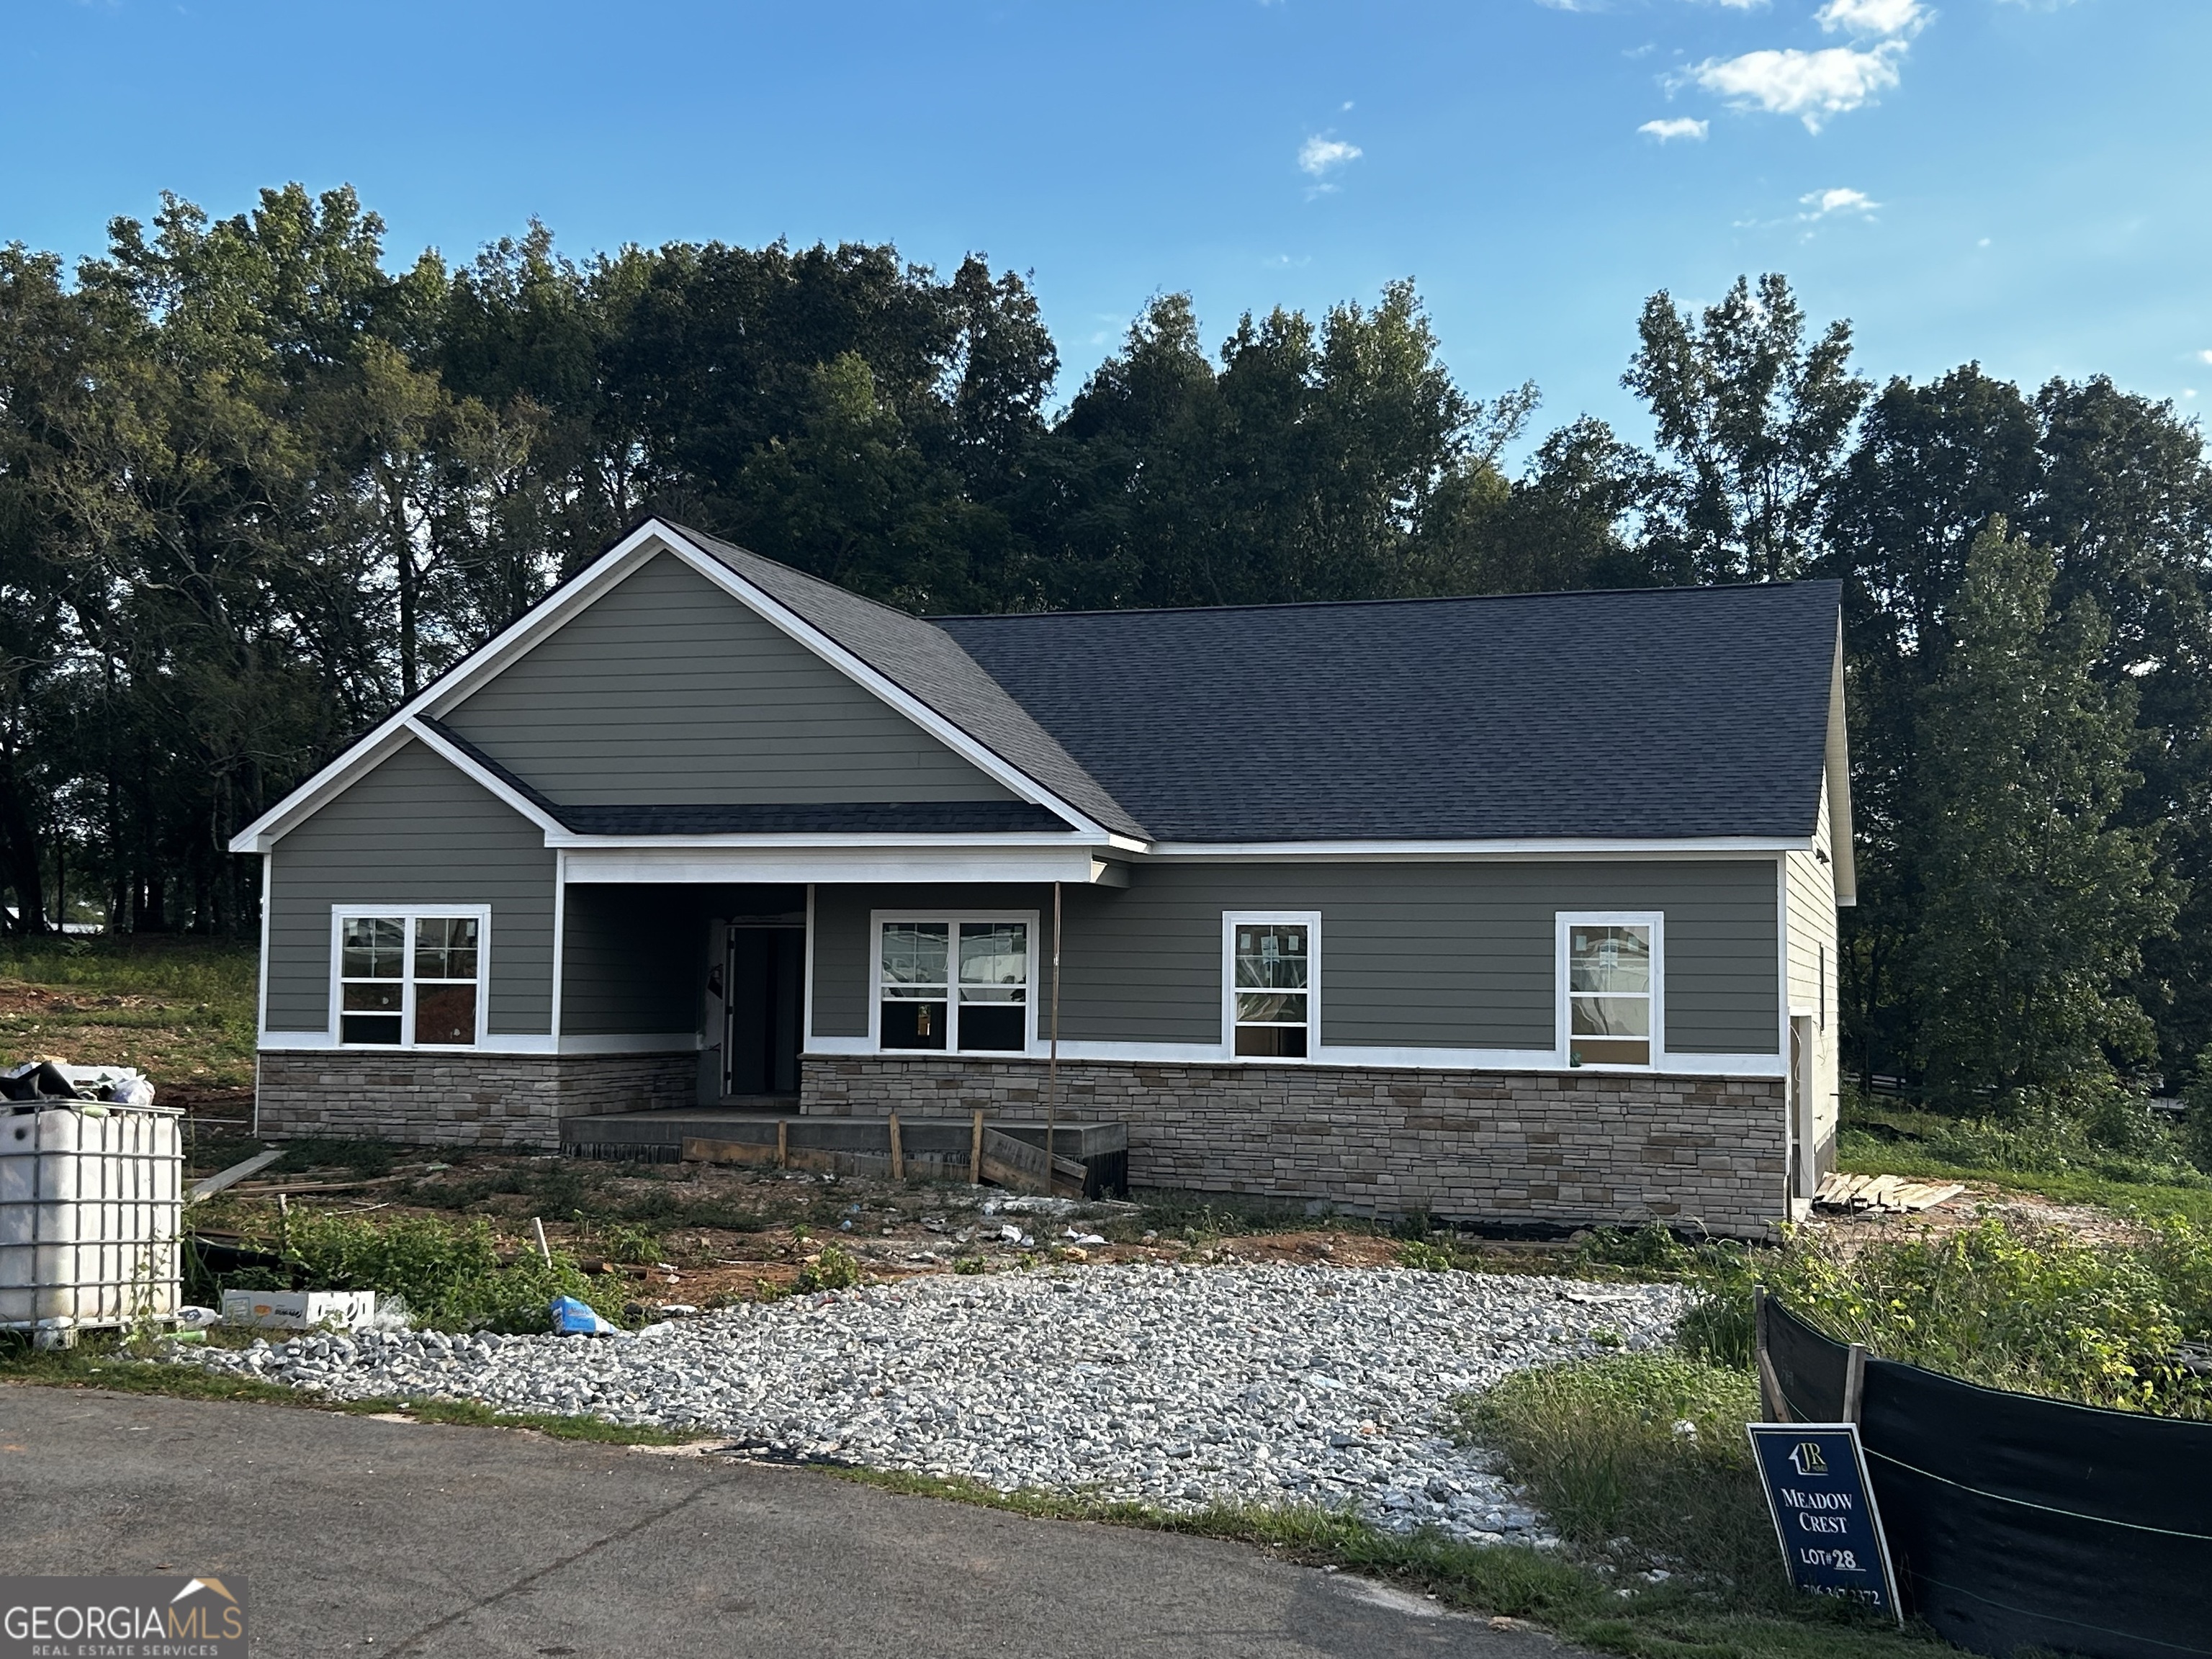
(1052, 1062)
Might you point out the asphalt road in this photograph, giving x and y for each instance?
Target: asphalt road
(394, 1539)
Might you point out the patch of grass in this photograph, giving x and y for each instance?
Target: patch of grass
(180, 1010)
(222, 973)
(1672, 1620)
(97, 1366)
(1202, 1218)
(2118, 1158)
(1648, 1447)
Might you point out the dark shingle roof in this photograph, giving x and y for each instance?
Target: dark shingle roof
(924, 662)
(1654, 712)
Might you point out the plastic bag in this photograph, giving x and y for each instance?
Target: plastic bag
(574, 1318)
(190, 1317)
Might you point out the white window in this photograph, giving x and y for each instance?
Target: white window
(1272, 982)
(409, 977)
(1609, 989)
(957, 984)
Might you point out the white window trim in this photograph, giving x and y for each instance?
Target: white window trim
(1656, 920)
(1308, 919)
(952, 919)
(340, 913)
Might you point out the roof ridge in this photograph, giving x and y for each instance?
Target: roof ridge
(1408, 599)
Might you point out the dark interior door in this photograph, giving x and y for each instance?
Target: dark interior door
(763, 1005)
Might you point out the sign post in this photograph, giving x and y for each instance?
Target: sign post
(1824, 1512)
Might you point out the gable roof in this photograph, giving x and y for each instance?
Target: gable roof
(929, 665)
(1648, 713)
(1654, 714)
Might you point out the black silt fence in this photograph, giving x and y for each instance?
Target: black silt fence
(2016, 1521)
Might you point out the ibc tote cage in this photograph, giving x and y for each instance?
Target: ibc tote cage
(91, 1207)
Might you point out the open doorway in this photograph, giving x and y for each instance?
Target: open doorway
(763, 968)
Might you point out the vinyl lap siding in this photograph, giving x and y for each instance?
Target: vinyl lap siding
(1448, 955)
(667, 692)
(633, 960)
(413, 830)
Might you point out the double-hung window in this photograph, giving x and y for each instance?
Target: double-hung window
(1273, 983)
(1609, 982)
(408, 978)
(954, 983)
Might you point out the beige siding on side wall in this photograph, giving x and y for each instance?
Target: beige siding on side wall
(1809, 891)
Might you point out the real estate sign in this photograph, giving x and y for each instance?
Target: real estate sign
(1824, 1512)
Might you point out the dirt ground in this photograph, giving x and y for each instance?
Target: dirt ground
(1854, 1229)
(717, 1235)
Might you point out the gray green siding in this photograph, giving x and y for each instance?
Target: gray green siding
(1445, 956)
(667, 692)
(413, 830)
(633, 959)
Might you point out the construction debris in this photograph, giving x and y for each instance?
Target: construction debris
(1886, 1192)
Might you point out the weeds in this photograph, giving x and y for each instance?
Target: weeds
(2003, 1303)
(836, 1268)
(1650, 1447)
(451, 1276)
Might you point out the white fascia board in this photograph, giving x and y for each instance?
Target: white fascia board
(366, 752)
(901, 861)
(465, 763)
(1418, 1060)
(1705, 846)
(829, 841)
(1837, 764)
(797, 628)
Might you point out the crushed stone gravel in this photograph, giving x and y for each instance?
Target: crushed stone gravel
(1174, 1386)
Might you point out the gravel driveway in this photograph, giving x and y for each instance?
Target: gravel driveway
(1176, 1386)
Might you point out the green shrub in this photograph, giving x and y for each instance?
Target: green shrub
(836, 1268)
(618, 1241)
(1649, 1447)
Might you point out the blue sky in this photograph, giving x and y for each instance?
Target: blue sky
(2023, 182)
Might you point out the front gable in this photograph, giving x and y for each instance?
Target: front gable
(667, 691)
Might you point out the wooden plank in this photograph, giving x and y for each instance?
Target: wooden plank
(233, 1175)
(975, 1150)
(898, 1151)
(783, 1143)
(1066, 1177)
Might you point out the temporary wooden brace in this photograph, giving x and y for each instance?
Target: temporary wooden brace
(782, 1145)
(1854, 1382)
(898, 1151)
(975, 1150)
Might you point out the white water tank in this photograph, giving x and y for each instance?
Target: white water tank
(91, 1202)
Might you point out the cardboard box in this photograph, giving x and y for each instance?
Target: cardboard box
(299, 1310)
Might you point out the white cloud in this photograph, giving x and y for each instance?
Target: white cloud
(1820, 204)
(2205, 356)
(1679, 126)
(1810, 85)
(1883, 17)
(1321, 156)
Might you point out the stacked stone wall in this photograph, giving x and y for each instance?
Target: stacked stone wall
(1546, 1148)
(457, 1097)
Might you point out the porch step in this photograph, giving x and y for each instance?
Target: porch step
(1090, 1158)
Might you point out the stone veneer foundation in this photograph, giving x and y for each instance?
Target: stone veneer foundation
(1528, 1147)
(458, 1097)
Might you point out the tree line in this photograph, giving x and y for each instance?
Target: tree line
(257, 486)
